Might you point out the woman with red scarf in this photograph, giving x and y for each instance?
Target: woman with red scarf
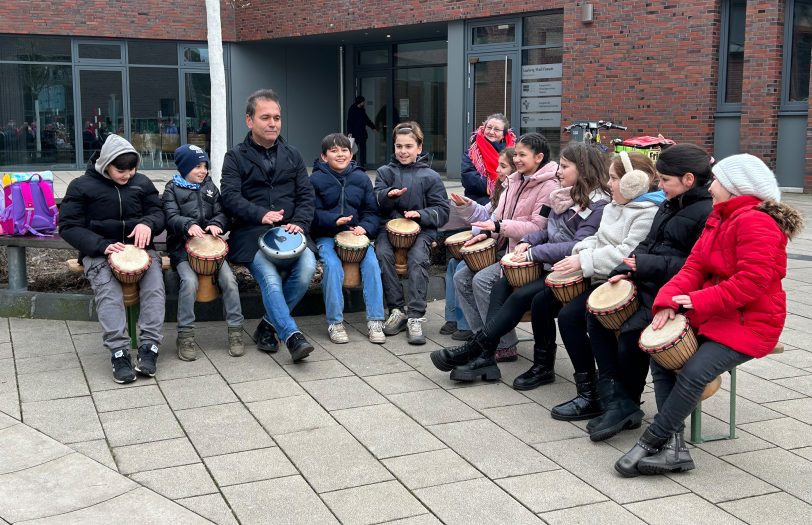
(479, 163)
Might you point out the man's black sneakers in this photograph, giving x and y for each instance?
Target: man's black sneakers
(147, 360)
(265, 336)
(298, 346)
(122, 367)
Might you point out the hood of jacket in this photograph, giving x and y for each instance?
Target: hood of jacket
(543, 174)
(320, 165)
(788, 218)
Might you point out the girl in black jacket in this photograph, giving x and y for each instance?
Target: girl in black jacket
(193, 208)
(685, 170)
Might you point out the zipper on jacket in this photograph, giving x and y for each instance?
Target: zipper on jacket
(200, 215)
(121, 215)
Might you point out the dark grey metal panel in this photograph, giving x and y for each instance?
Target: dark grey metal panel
(790, 164)
(726, 136)
(456, 103)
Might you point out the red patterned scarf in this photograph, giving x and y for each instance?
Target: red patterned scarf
(484, 156)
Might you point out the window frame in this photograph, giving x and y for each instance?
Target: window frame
(722, 106)
(789, 107)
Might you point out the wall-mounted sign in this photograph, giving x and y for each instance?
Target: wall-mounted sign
(541, 120)
(404, 108)
(541, 104)
(541, 89)
(541, 71)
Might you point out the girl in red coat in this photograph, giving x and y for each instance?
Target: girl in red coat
(730, 290)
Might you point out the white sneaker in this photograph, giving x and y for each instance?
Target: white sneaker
(415, 327)
(337, 333)
(376, 334)
(396, 322)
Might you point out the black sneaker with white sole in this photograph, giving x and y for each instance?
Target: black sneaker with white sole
(298, 346)
(122, 367)
(147, 360)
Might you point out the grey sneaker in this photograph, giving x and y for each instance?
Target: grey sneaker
(376, 334)
(415, 335)
(186, 346)
(338, 334)
(396, 322)
(236, 348)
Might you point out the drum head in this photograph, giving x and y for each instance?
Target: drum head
(481, 245)
(561, 278)
(505, 261)
(279, 245)
(403, 226)
(458, 238)
(208, 246)
(610, 295)
(667, 334)
(131, 259)
(350, 241)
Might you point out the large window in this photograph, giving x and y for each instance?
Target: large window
(732, 55)
(797, 54)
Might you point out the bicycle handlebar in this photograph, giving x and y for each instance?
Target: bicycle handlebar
(605, 124)
(600, 124)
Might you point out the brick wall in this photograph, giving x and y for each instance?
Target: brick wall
(649, 65)
(153, 19)
(761, 88)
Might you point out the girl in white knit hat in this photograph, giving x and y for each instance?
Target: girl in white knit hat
(730, 290)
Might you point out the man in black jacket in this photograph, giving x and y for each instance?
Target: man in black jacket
(265, 184)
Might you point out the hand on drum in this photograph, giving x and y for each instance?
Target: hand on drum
(394, 194)
(631, 262)
(273, 216)
(620, 277)
(214, 230)
(142, 234)
(568, 264)
(459, 200)
(292, 228)
(412, 214)
(115, 247)
(484, 225)
(475, 239)
(358, 230)
(684, 301)
(341, 221)
(661, 317)
(519, 252)
(196, 231)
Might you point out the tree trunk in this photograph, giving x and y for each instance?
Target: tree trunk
(219, 126)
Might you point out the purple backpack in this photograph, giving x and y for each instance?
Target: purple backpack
(29, 207)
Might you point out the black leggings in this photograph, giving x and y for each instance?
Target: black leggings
(508, 306)
(572, 323)
(619, 358)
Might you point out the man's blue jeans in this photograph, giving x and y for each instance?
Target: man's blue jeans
(282, 288)
(453, 312)
(333, 280)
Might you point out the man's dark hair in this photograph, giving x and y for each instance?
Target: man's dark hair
(264, 94)
(335, 139)
(125, 161)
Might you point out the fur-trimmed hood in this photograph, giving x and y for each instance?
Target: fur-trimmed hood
(788, 218)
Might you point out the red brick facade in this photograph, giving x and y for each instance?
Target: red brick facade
(152, 19)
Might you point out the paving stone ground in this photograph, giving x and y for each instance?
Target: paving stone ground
(365, 434)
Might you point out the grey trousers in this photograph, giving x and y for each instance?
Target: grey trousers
(474, 296)
(110, 303)
(418, 262)
(227, 284)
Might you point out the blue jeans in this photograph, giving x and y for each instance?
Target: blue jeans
(453, 312)
(188, 292)
(332, 282)
(282, 288)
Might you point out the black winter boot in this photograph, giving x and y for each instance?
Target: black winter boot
(448, 358)
(647, 445)
(586, 405)
(541, 373)
(621, 412)
(484, 366)
(674, 457)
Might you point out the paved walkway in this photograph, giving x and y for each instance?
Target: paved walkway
(362, 433)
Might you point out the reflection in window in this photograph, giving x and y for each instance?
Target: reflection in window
(543, 30)
(420, 95)
(800, 51)
(38, 49)
(196, 55)
(36, 115)
(154, 111)
(198, 110)
(494, 34)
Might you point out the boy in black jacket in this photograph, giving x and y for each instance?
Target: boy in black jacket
(109, 206)
(193, 207)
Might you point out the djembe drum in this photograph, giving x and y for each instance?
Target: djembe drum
(566, 286)
(479, 255)
(613, 303)
(453, 243)
(520, 273)
(206, 256)
(402, 233)
(351, 249)
(128, 266)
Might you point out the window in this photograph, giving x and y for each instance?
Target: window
(421, 53)
(196, 55)
(39, 49)
(732, 55)
(152, 53)
(797, 54)
(494, 34)
(373, 57)
(543, 30)
(99, 51)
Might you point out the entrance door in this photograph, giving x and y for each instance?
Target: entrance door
(490, 86)
(101, 107)
(376, 89)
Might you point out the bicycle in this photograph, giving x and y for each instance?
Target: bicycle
(590, 131)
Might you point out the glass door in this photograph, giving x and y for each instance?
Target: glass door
(376, 89)
(102, 108)
(197, 95)
(490, 86)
